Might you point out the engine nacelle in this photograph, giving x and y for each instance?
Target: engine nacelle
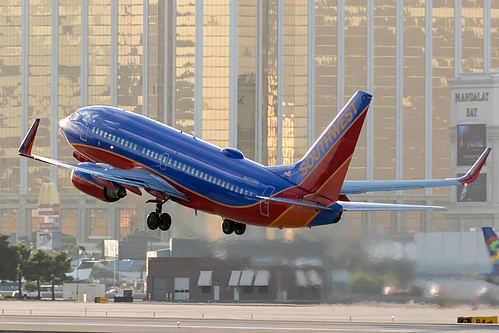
(88, 185)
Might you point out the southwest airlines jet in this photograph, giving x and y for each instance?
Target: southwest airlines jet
(122, 152)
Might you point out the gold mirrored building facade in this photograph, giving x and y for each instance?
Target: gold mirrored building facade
(264, 76)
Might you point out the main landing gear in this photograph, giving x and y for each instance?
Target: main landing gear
(157, 219)
(229, 227)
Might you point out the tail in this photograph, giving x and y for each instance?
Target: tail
(493, 246)
(323, 168)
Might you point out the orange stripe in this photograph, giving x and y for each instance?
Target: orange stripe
(347, 161)
(293, 217)
(279, 217)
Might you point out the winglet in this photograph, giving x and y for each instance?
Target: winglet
(473, 172)
(25, 148)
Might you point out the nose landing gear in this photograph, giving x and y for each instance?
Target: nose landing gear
(156, 219)
(229, 227)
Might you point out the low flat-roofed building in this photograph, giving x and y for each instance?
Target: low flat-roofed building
(211, 279)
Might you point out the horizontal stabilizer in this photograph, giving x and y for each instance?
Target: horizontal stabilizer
(358, 187)
(300, 203)
(372, 206)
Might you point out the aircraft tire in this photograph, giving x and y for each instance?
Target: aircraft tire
(153, 221)
(239, 228)
(228, 226)
(165, 221)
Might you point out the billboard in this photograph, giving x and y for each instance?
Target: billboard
(111, 248)
(471, 141)
(474, 192)
(48, 240)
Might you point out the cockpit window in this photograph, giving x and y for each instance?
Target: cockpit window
(73, 116)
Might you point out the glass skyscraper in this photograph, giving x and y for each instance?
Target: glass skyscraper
(265, 76)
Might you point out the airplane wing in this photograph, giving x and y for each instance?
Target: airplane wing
(135, 177)
(358, 187)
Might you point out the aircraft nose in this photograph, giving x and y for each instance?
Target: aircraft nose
(63, 124)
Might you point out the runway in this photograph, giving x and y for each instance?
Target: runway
(60, 316)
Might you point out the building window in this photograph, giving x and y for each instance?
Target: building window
(206, 290)
(248, 290)
(263, 290)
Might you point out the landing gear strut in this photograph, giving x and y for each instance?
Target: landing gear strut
(157, 219)
(229, 227)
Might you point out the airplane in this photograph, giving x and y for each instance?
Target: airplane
(82, 271)
(492, 243)
(120, 152)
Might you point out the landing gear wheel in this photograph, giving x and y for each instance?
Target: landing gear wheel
(153, 221)
(165, 221)
(228, 226)
(239, 228)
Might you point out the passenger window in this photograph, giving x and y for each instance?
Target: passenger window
(245, 192)
(223, 183)
(241, 191)
(232, 187)
(201, 174)
(169, 161)
(135, 147)
(219, 181)
(126, 143)
(209, 179)
(188, 169)
(192, 171)
(183, 167)
(156, 156)
(114, 137)
(122, 141)
(101, 131)
(205, 176)
(179, 165)
(143, 150)
(197, 173)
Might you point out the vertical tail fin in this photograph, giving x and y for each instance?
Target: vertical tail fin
(492, 243)
(323, 168)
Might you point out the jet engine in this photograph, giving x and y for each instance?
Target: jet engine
(97, 188)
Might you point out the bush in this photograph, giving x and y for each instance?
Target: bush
(30, 286)
(367, 284)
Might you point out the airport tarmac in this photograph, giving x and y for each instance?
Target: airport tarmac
(62, 316)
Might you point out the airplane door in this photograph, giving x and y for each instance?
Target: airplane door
(264, 204)
(83, 133)
(164, 161)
